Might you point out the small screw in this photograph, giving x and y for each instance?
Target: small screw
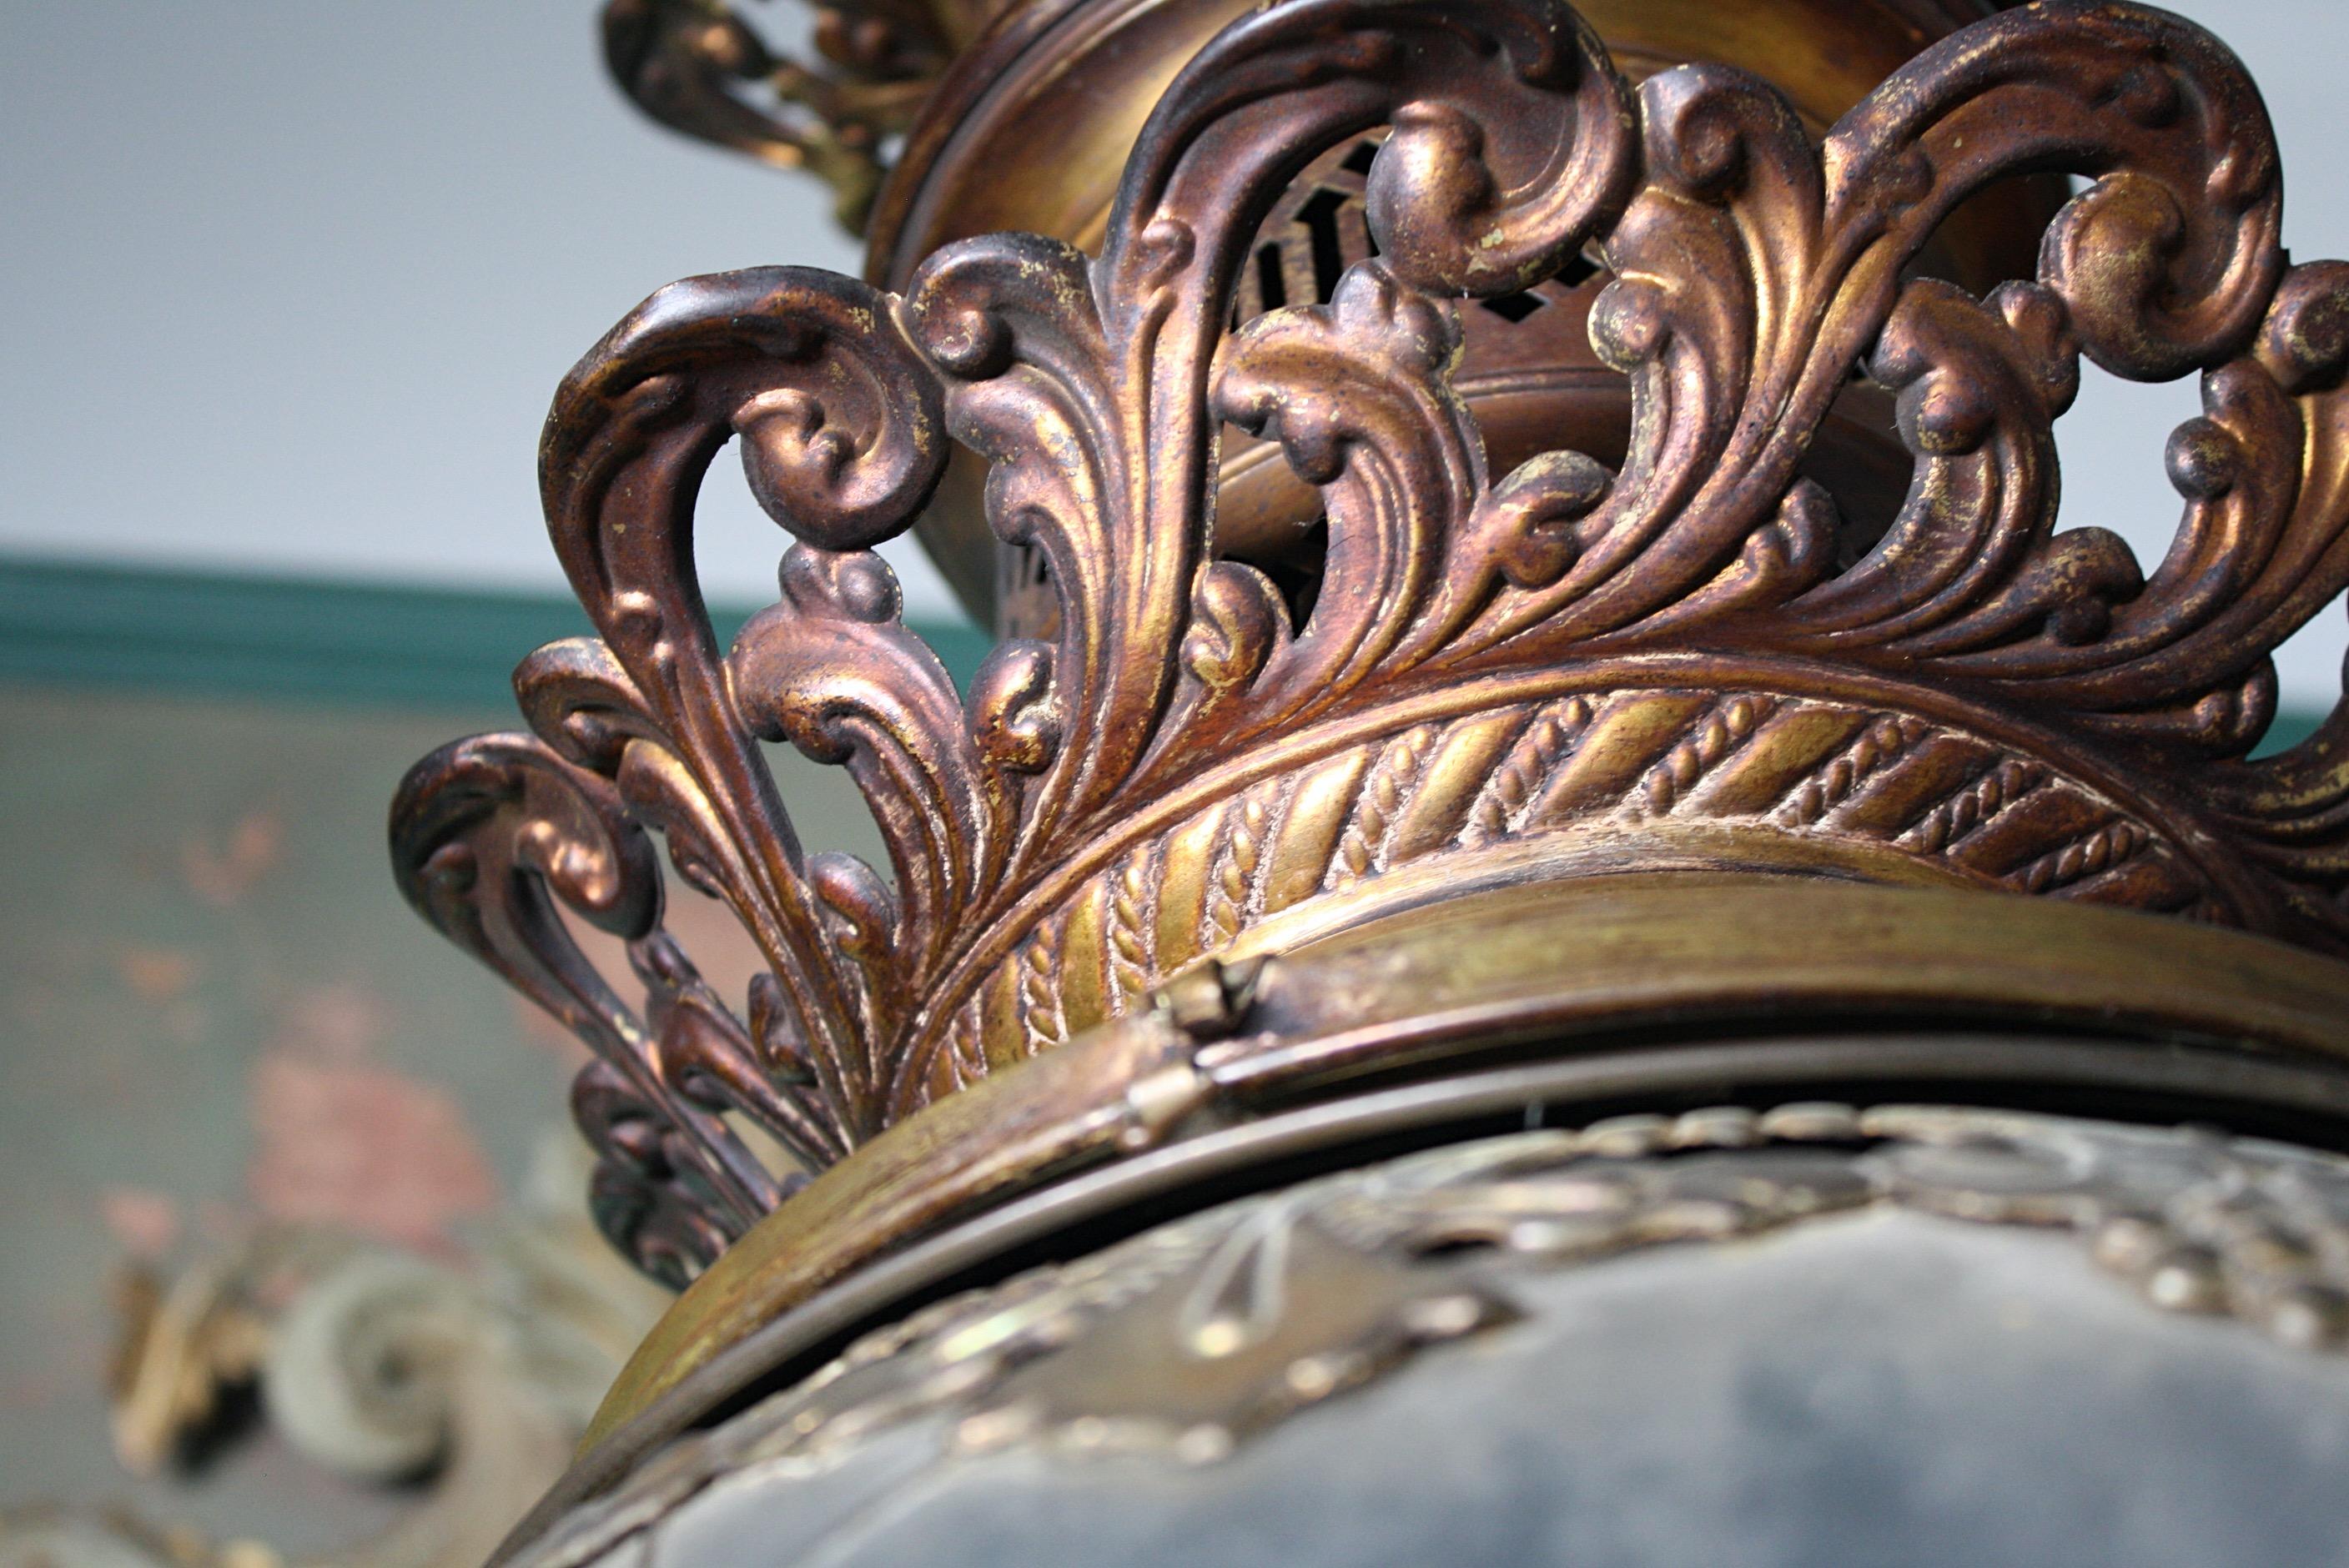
(1212, 999)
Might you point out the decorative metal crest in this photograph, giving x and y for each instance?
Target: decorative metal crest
(1691, 650)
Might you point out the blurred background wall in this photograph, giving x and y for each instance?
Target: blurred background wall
(288, 285)
(284, 288)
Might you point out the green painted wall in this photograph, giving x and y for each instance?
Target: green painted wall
(220, 635)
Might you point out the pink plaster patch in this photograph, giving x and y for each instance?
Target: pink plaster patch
(144, 1223)
(342, 1023)
(222, 877)
(157, 974)
(374, 1152)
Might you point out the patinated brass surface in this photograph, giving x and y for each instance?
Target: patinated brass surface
(1688, 661)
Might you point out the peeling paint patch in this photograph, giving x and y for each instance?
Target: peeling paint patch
(342, 1143)
(222, 877)
(143, 1223)
(340, 1023)
(156, 974)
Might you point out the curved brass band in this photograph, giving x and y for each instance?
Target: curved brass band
(1561, 969)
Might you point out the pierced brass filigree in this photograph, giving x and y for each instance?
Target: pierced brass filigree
(1563, 668)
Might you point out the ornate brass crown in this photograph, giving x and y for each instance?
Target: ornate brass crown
(1696, 659)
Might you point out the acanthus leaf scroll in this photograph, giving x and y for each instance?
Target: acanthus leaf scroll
(1187, 756)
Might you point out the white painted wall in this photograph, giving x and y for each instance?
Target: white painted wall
(284, 286)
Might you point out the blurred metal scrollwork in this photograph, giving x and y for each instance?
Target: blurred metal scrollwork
(696, 67)
(464, 1382)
